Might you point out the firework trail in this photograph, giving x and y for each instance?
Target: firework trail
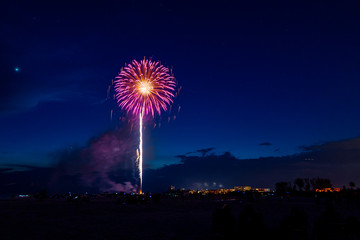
(144, 88)
(141, 151)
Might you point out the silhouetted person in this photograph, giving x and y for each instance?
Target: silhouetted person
(250, 224)
(295, 225)
(223, 224)
(330, 225)
(351, 199)
(157, 197)
(352, 228)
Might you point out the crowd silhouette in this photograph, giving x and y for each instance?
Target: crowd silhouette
(250, 224)
(338, 219)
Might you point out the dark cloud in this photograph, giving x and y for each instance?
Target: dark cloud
(205, 151)
(277, 150)
(107, 164)
(265, 144)
(5, 170)
(348, 144)
(338, 161)
(190, 153)
(182, 157)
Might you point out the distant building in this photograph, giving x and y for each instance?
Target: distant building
(242, 188)
(328, 190)
(230, 190)
(262, 189)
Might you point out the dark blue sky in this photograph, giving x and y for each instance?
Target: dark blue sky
(252, 72)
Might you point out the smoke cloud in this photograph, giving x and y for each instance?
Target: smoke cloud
(106, 163)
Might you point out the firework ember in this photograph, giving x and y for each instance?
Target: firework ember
(143, 89)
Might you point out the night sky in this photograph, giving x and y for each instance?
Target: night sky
(258, 78)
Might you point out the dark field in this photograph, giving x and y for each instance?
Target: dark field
(168, 219)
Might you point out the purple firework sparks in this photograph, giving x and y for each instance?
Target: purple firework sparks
(144, 87)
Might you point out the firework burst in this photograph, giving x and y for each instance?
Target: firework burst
(144, 88)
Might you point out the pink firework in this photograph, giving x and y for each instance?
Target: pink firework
(144, 87)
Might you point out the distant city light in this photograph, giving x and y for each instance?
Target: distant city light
(24, 196)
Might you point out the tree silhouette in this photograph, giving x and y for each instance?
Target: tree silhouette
(307, 184)
(282, 187)
(320, 183)
(299, 182)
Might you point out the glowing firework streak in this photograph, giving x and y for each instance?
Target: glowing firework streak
(143, 89)
(141, 152)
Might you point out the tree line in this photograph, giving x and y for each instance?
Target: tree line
(305, 185)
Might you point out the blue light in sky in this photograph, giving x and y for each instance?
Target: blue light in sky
(17, 69)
